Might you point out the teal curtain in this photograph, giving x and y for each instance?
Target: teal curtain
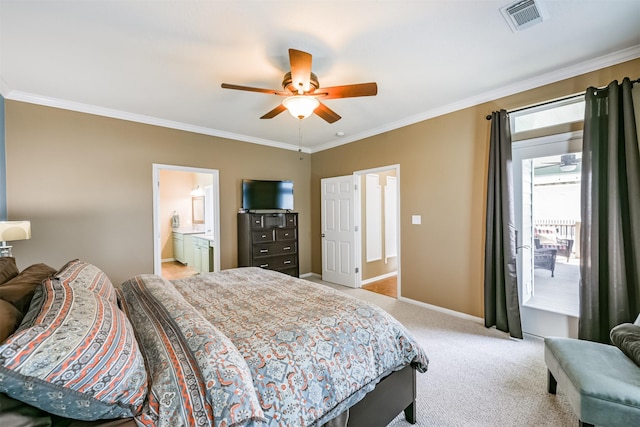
(501, 302)
(610, 233)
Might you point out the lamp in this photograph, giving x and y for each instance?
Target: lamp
(300, 107)
(10, 231)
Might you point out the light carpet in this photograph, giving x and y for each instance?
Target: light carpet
(477, 376)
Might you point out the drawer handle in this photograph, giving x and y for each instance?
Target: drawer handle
(287, 262)
(288, 248)
(264, 236)
(264, 251)
(286, 234)
(264, 265)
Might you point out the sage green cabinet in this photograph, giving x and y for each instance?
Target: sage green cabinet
(202, 254)
(183, 247)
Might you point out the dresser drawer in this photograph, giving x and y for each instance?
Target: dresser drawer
(275, 248)
(286, 234)
(277, 263)
(257, 221)
(262, 236)
(291, 220)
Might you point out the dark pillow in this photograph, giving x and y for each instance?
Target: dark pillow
(18, 414)
(8, 269)
(19, 290)
(627, 338)
(10, 318)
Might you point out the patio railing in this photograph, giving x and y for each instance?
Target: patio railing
(565, 228)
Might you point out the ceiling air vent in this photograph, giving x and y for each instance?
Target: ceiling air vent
(524, 14)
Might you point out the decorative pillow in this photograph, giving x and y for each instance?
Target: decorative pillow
(19, 290)
(74, 355)
(627, 338)
(8, 269)
(546, 235)
(10, 318)
(78, 273)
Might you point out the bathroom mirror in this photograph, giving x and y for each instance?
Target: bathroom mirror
(197, 210)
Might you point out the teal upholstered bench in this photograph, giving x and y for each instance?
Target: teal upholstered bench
(601, 383)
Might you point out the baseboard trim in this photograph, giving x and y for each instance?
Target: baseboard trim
(443, 310)
(421, 304)
(168, 260)
(305, 275)
(381, 277)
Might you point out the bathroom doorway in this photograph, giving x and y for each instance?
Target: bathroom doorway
(185, 204)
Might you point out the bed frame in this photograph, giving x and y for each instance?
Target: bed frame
(395, 393)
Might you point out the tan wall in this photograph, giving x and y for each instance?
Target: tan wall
(85, 183)
(443, 163)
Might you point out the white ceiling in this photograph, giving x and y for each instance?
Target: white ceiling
(162, 62)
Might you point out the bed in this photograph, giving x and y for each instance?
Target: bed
(243, 346)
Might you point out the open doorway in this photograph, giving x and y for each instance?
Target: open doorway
(360, 230)
(185, 220)
(547, 174)
(379, 225)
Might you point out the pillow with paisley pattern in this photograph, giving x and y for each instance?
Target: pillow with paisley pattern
(81, 274)
(74, 355)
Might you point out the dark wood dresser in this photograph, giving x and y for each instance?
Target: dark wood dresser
(269, 240)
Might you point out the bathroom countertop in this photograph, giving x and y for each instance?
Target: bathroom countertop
(188, 230)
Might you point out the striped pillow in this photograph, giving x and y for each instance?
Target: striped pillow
(74, 355)
(78, 273)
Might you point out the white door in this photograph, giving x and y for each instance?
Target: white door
(546, 195)
(338, 230)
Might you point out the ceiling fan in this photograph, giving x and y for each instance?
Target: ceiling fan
(567, 163)
(303, 94)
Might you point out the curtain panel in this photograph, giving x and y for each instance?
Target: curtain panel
(501, 302)
(610, 233)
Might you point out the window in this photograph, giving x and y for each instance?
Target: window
(551, 114)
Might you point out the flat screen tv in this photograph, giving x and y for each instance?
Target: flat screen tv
(257, 194)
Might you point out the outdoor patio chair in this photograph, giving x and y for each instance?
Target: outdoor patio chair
(545, 258)
(546, 238)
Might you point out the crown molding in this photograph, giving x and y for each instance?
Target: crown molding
(544, 79)
(30, 98)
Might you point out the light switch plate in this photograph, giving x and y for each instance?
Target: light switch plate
(416, 219)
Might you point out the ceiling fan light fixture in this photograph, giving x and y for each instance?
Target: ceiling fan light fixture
(300, 107)
(568, 168)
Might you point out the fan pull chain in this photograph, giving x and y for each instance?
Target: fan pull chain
(300, 138)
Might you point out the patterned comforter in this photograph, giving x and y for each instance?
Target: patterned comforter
(260, 348)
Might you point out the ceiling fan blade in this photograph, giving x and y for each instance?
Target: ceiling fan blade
(347, 91)
(271, 114)
(327, 113)
(300, 69)
(255, 89)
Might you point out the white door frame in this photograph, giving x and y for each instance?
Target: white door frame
(157, 246)
(536, 321)
(358, 218)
